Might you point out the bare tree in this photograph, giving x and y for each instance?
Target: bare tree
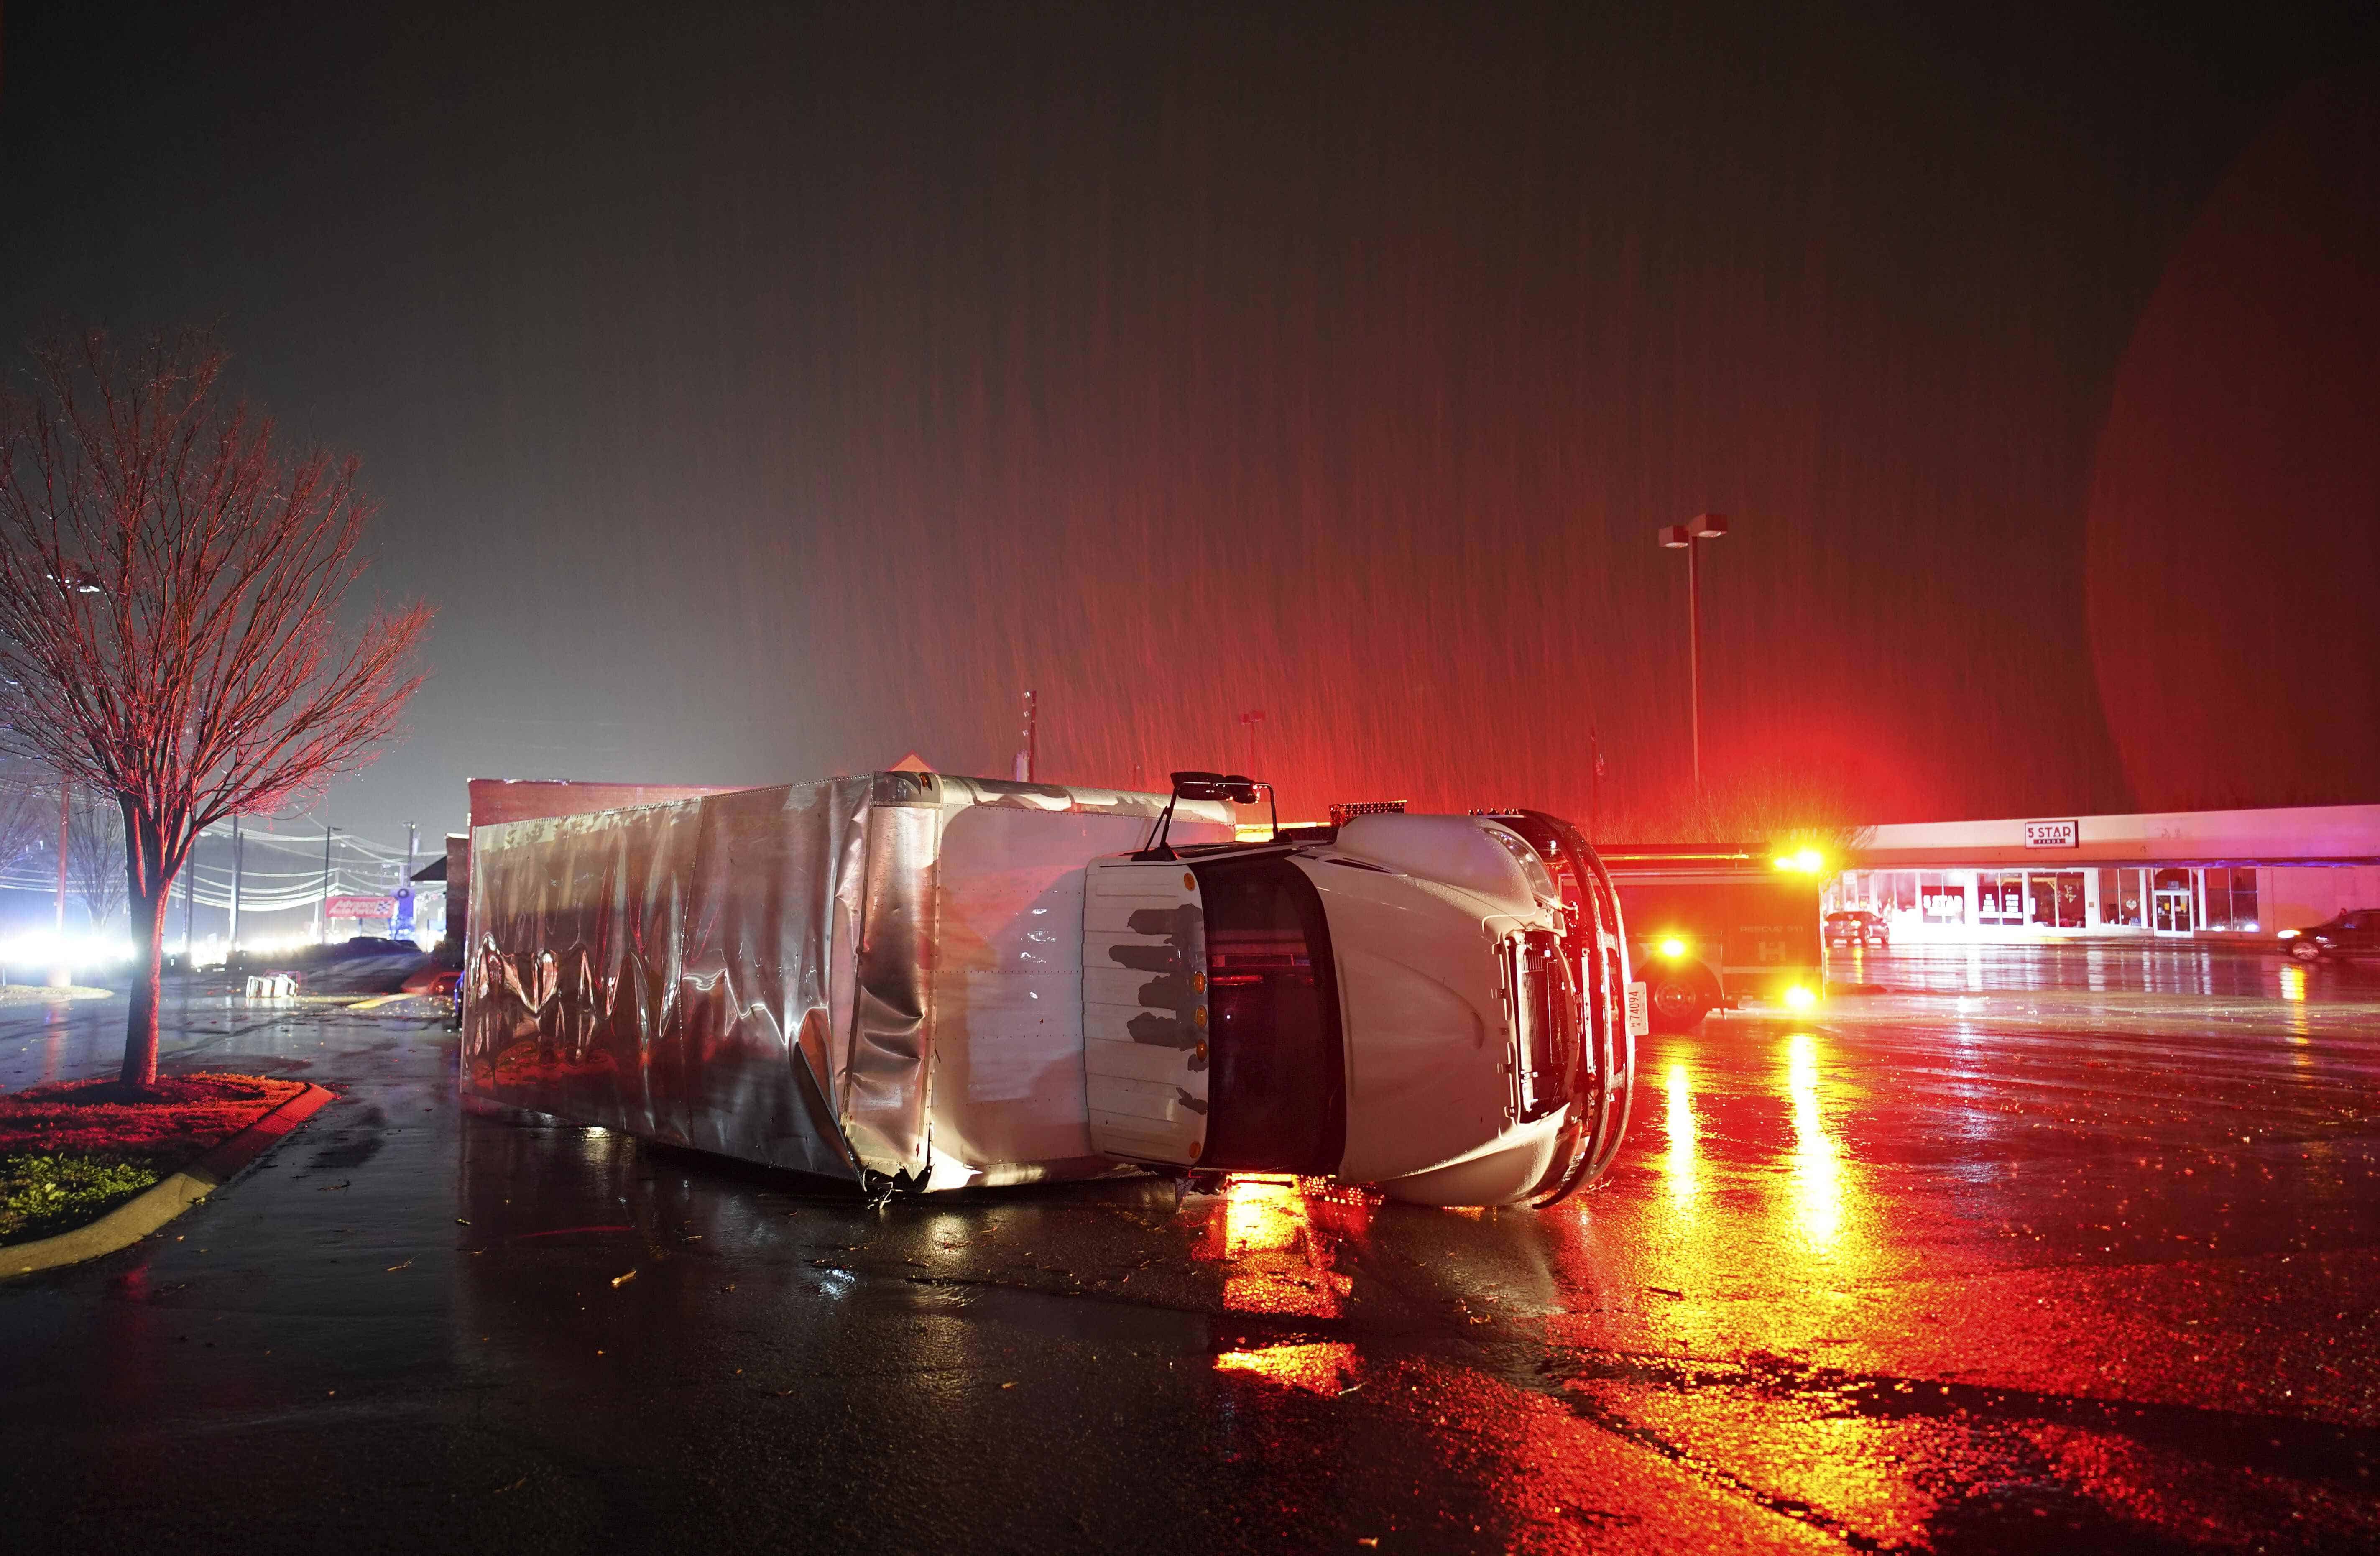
(169, 578)
(95, 854)
(28, 804)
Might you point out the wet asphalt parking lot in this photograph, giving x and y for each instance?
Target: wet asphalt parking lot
(2071, 1249)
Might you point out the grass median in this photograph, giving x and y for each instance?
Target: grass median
(72, 1151)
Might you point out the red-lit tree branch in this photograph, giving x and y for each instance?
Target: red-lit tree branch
(169, 587)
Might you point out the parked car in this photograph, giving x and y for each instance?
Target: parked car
(2355, 932)
(1858, 926)
(437, 982)
(374, 945)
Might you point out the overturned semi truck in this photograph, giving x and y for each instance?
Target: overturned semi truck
(917, 982)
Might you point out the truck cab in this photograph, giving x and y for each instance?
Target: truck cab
(1403, 1001)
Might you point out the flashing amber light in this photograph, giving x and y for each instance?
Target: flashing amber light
(1673, 948)
(1800, 998)
(1809, 861)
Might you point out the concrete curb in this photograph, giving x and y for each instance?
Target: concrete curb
(154, 1206)
(373, 1001)
(49, 993)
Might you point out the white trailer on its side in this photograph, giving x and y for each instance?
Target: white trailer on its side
(921, 982)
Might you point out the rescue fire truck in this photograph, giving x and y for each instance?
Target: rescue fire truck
(1714, 927)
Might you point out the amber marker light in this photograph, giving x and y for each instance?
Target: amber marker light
(1800, 998)
(1673, 948)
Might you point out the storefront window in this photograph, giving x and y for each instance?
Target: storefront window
(2231, 897)
(2000, 899)
(2056, 901)
(2119, 898)
(2245, 913)
(2171, 900)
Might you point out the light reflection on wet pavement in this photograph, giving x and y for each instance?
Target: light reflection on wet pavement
(2039, 1249)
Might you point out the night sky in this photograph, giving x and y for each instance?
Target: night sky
(762, 394)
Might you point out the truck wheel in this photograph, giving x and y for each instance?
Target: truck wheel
(1678, 1005)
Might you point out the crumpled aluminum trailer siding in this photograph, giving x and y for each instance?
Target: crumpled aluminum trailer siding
(873, 975)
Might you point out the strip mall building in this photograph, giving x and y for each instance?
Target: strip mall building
(2214, 873)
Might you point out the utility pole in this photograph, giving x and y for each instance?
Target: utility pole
(1688, 538)
(322, 905)
(62, 970)
(1028, 760)
(1248, 722)
(238, 859)
(1595, 785)
(66, 811)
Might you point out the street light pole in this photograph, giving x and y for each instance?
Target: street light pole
(62, 973)
(238, 865)
(1595, 783)
(1688, 538)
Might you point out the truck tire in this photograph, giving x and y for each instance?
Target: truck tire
(1678, 1005)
